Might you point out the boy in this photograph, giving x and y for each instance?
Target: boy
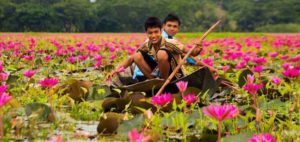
(171, 25)
(157, 52)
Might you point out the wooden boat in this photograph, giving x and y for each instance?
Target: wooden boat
(201, 79)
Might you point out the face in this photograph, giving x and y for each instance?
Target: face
(171, 27)
(154, 34)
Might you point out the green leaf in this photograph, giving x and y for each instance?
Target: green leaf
(272, 105)
(38, 61)
(43, 111)
(98, 92)
(242, 122)
(109, 123)
(12, 79)
(127, 126)
(12, 68)
(208, 138)
(242, 137)
(243, 77)
(193, 117)
(77, 90)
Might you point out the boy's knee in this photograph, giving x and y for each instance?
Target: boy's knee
(162, 55)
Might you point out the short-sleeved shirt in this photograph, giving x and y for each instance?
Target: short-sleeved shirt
(172, 47)
(189, 59)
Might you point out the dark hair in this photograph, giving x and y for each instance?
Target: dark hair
(152, 22)
(172, 17)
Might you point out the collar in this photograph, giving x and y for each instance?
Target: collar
(161, 43)
(165, 35)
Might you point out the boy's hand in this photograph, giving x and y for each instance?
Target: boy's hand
(110, 75)
(198, 48)
(214, 72)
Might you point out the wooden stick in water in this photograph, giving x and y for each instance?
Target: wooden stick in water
(185, 57)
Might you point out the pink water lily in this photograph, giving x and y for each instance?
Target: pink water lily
(1, 68)
(182, 85)
(295, 59)
(273, 54)
(3, 76)
(71, 49)
(250, 86)
(112, 57)
(98, 58)
(190, 98)
(71, 59)
(28, 58)
(286, 65)
(98, 64)
(162, 99)
(78, 44)
(29, 73)
(241, 65)
(259, 60)
(276, 80)
(221, 112)
(47, 58)
(258, 69)
(3, 88)
(284, 57)
(4, 98)
(135, 136)
(225, 68)
(148, 113)
(82, 57)
(250, 79)
(48, 82)
(291, 72)
(56, 139)
(208, 61)
(246, 58)
(264, 137)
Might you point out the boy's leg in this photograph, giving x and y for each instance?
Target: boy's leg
(141, 61)
(163, 63)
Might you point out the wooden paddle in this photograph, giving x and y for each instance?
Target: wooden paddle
(185, 57)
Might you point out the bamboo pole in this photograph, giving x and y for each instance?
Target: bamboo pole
(185, 57)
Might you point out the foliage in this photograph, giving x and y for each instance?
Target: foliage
(129, 15)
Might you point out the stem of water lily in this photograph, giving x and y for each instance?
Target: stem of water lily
(1, 127)
(219, 131)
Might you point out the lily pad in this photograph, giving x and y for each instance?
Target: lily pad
(242, 137)
(98, 92)
(77, 90)
(114, 104)
(128, 125)
(109, 123)
(43, 111)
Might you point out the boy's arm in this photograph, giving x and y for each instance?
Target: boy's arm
(125, 64)
(120, 67)
(195, 52)
(200, 63)
(184, 49)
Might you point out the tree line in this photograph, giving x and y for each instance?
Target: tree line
(129, 15)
